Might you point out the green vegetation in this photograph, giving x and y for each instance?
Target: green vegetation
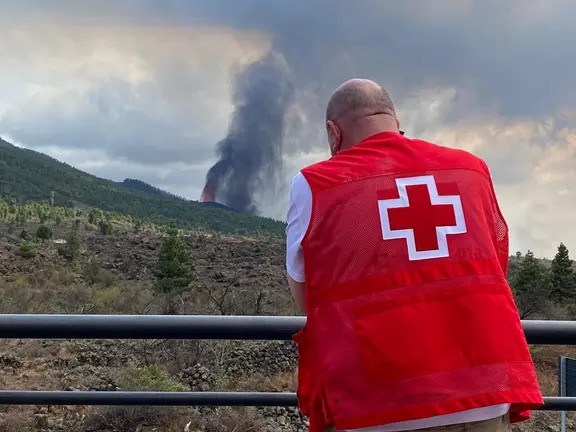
(44, 232)
(29, 176)
(539, 288)
(71, 249)
(27, 249)
(563, 281)
(105, 227)
(141, 186)
(174, 271)
(530, 285)
(148, 378)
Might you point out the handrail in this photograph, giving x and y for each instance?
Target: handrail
(284, 399)
(232, 327)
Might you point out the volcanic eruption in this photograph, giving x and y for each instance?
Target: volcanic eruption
(251, 153)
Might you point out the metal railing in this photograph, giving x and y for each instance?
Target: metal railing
(199, 327)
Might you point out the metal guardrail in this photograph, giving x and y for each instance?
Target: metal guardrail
(199, 327)
(17, 397)
(149, 327)
(16, 326)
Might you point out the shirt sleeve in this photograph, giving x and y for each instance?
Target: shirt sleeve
(297, 221)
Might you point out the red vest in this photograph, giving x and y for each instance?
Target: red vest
(409, 312)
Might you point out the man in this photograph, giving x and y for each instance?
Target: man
(397, 252)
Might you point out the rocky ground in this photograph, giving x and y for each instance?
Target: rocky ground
(235, 276)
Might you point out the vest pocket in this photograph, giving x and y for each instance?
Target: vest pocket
(310, 393)
(436, 333)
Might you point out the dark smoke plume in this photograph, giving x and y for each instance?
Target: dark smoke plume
(251, 153)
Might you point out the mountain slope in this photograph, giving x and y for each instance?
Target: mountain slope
(142, 186)
(27, 175)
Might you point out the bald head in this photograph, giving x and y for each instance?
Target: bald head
(358, 109)
(358, 98)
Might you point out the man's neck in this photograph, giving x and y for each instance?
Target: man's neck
(371, 126)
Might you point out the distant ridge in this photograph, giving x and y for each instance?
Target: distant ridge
(27, 175)
(216, 205)
(142, 186)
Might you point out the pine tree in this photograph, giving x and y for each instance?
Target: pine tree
(174, 271)
(138, 225)
(531, 286)
(563, 280)
(72, 250)
(105, 227)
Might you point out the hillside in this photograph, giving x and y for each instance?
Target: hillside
(142, 186)
(114, 274)
(27, 175)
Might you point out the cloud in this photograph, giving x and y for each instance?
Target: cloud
(513, 52)
(532, 162)
(128, 91)
(143, 88)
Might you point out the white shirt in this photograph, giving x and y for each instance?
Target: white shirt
(298, 219)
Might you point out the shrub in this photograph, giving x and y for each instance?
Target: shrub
(97, 275)
(149, 378)
(27, 249)
(44, 232)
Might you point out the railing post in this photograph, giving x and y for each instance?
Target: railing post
(562, 389)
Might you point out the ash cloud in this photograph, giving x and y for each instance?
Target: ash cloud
(513, 53)
(250, 156)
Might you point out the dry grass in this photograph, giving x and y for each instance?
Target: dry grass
(226, 419)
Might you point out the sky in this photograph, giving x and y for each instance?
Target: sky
(145, 88)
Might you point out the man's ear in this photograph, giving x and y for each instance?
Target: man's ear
(334, 137)
(333, 143)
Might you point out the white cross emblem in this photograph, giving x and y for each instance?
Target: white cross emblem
(425, 210)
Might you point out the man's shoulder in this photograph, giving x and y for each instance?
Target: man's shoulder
(322, 165)
(323, 174)
(453, 155)
(444, 149)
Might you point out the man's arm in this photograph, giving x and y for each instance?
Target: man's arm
(297, 224)
(298, 290)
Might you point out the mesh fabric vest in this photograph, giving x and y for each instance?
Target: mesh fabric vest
(409, 312)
